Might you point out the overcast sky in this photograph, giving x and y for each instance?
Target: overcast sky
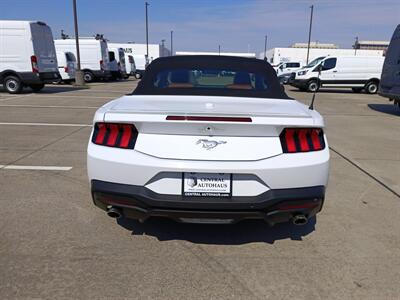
(236, 25)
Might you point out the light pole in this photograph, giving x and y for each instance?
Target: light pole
(265, 47)
(172, 43)
(219, 49)
(309, 33)
(78, 73)
(147, 30)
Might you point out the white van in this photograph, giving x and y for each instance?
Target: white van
(287, 67)
(93, 54)
(27, 55)
(140, 61)
(117, 62)
(66, 65)
(355, 72)
(130, 64)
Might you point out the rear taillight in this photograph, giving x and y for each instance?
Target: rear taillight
(66, 69)
(101, 64)
(115, 135)
(34, 62)
(302, 140)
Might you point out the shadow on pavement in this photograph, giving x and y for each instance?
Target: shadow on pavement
(244, 232)
(390, 109)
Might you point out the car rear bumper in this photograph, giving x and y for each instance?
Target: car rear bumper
(274, 206)
(299, 83)
(30, 78)
(102, 74)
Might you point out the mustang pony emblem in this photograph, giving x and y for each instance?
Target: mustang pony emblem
(209, 144)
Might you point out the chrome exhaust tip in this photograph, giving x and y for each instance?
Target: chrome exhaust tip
(300, 220)
(114, 212)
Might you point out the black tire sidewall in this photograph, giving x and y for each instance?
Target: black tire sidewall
(310, 83)
(369, 85)
(91, 77)
(17, 80)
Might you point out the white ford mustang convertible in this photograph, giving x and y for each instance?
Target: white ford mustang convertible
(208, 139)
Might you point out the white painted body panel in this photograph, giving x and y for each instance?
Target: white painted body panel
(19, 40)
(164, 149)
(92, 51)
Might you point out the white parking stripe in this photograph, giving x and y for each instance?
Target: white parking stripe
(16, 97)
(49, 106)
(36, 168)
(46, 124)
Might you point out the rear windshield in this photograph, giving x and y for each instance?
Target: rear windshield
(70, 57)
(210, 75)
(210, 79)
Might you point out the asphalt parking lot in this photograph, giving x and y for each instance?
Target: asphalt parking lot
(55, 244)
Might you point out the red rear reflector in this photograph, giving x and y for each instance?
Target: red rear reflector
(209, 119)
(66, 69)
(34, 62)
(115, 135)
(302, 140)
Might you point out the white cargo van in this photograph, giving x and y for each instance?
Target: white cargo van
(355, 72)
(140, 61)
(66, 65)
(117, 62)
(130, 64)
(94, 56)
(27, 55)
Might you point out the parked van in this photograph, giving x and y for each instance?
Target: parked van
(355, 72)
(93, 54)
(390, 83)
(117, 62)
(27, 56)
(130, 64)
(141, 62)
(66, 65)
(285, 69)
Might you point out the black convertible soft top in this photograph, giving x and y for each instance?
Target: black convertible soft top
(211, 62)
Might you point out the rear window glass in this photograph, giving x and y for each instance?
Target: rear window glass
(210, 79)
(70, 56)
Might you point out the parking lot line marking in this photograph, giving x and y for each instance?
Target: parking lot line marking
(49, 106)
(35, 168)
(16, 97)
(46, 124)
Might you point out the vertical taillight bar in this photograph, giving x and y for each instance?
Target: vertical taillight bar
(115, 135)
(302, 140)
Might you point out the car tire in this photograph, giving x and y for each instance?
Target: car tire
(138, 76)
(37, 87)
(356, 90)
(313, 86)
(13, 85)
(88, 76)
(372, 87)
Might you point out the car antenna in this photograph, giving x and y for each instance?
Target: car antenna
(311, 107)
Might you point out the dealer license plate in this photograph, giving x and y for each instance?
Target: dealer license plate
(207, 185)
